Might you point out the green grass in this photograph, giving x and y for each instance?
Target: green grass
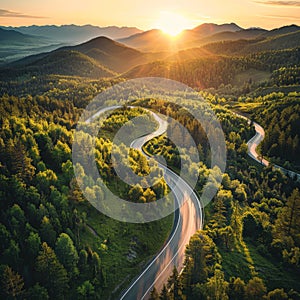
(251, 74)
(235, 264)
(113, 241)
(272, 272)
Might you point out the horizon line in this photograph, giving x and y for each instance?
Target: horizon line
(144, 30)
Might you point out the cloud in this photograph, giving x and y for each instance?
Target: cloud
(12, 14)
(282, 17)
(279, 3)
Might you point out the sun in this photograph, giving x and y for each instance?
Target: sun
(172, 24)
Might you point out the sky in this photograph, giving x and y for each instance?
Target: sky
(151, 13)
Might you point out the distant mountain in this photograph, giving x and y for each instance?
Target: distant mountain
(210, 28)
(103, 55)
(76, 34)
(280, 42)
(282, 30)
(68, 63)
(149, 41)
(15, 45)
(241, 42)
(111, 54)
(201, 66)
(13, 37)
(156, 40)
(261, 43)
(230, 36)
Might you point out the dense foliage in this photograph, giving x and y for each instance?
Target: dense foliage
(280, 119)
(249, 248)
(53, 243)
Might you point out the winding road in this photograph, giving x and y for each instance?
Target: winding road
(188, 219)
(253, 144)
(186, 223)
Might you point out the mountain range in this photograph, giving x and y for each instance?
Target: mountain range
(200, 36)
(17, 38)
(163, 42)
(18, 42)
(75, 34)
(104, 57)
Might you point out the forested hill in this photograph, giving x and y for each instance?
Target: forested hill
(198, 67)
(281, 121)
(212, 71)
(55, 245)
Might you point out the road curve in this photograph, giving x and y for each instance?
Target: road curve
(188, 219)
(253, 144)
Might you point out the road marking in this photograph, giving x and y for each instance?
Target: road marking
(158, 131)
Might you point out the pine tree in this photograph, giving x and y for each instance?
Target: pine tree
(219, 212)
(236, 289)
(255, 289)
(174, 285)
(154, 294)
(96, 263)
(53, 274)
(277, 294)
(164, 294)
(288, 220)
(83, 256)
(200, 255)
(13, 283)
(217, 286)
(38, 292)
(67, 253)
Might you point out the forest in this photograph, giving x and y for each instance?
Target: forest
(249, 248)
(56, 245)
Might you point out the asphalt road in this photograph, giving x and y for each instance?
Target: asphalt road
(188, 219)
(253, 144)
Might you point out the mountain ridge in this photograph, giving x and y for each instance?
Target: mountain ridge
(144, 41)
(76, 33)
(101, 51)
(156, 40)
(108, 57)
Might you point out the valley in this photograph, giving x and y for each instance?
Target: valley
(57, 244)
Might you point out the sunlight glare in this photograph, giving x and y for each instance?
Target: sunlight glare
(172, 24)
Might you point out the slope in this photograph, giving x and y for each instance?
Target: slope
(102, 50)
(74, 33)
(111, 54)
(62, 62)
(155, 40)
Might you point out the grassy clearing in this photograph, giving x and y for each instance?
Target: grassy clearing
(245, 108)
(253, 75)
(114, 240)
(275, 275)
(235, 264)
